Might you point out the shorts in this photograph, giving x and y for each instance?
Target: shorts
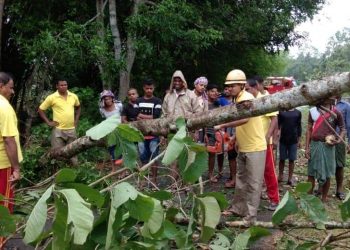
(288, 152)
(148, 149)
(232, 154)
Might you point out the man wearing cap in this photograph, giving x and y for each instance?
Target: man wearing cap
(251, 147)
(66, 112)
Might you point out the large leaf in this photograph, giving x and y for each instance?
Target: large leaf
(157, 217)
(313, 208)
(161, 195)
(91, 195)
(130, 133)
(196, 169)
(104, 128)
(286, 207)
(303, 187)
(79, 214)
(129, 152)
(345, 208)
(115, 215)
(141, 208)
(7, 222)
(37, 218)
(220, 242)
(61, 236)
(122, 193)
(65, 175)
(220, 197)
(175, 147)
(248, 236)
(210, 214)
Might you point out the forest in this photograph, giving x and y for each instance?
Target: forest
(116, 45)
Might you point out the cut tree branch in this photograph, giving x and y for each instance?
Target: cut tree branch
(308, 93)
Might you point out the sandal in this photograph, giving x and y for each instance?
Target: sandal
(230, 184)
(340, 195)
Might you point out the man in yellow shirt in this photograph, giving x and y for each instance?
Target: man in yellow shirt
(251, 148)
(10, 151)
(66, 112)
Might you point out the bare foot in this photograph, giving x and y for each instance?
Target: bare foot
(230, 184)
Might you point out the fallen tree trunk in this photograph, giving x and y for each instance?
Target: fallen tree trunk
(308, 93)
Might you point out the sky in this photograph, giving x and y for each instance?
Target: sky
(333, 17)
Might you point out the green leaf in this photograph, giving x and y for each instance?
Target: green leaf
(157, 217)
(220, 198)
(258, 232)
(241, 241)
(286, 207)
(7, 222)
(210, 214)
(112, 139)
(130, 133)
(250, 235)
(141, 208)
(306, 246)
(303, 187)
(65, 175)
(345, 208)
(180, 123)
(221, 242)
(122, 193)
(61, 236)
(161, 195)
(171, 213)
(130, 154)
(37, 218)
(170, 231)
(104, 128)
(79, 214)
(91, 195)
(313, 208)
(196, 169)
(174, 149)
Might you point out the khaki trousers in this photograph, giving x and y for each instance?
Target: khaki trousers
(249, 180)
(60, 138)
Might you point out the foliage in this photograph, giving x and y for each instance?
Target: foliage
(313, 64)
(309, 205)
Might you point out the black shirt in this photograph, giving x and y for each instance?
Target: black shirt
(130, 111)
(151, 106)
(290, 124)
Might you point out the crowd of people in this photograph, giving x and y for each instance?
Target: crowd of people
(249, 143)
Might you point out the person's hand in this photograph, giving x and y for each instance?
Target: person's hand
(52, 123)
(15, 176)
(217, 127)
(206, 139)
(307, 153)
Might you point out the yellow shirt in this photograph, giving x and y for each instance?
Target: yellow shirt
(63, 110)
(266, 119)
(8, 128)
(250, 136)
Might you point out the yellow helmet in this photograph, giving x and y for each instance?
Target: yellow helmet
(235, 76)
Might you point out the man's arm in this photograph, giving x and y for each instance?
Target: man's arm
(347, 121)
(232, 124)
(77, 110)
(45, 119)
(12, 154)
(273, 126)
(308, 137)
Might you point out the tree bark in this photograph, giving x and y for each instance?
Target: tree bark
(102, 35)
(308, 93)
(124, 80)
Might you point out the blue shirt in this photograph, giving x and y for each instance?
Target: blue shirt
(223, 101)
(344, 109)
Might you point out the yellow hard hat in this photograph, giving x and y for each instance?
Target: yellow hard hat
(235, 76)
